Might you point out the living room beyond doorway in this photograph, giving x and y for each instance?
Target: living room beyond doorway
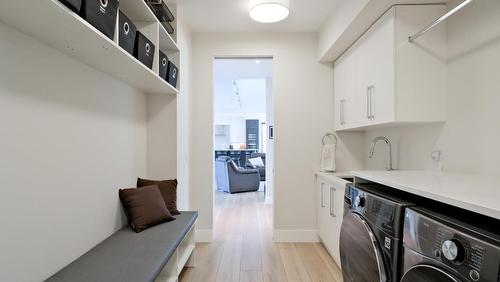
(243, 129)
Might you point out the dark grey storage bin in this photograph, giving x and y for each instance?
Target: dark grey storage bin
(168, 27)
(144, 49)
(74, 5)
(101, 14)
(166, 13)
(163, 65)
(126, 33)
(161, 10)
(173, 73)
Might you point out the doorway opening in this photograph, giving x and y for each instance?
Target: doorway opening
(243, 145)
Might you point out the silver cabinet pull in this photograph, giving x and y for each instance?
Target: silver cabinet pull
(368, 103)
(372, 99)
(322, 194)
(332, 202)
(342, 112)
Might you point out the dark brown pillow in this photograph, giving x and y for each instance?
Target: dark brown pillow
(168, 189)
(144, 207)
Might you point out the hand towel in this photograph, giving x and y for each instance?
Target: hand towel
(328, 158)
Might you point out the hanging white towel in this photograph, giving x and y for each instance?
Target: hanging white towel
(328, 158)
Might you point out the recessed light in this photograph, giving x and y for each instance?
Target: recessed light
(268, 11)
(257, 62)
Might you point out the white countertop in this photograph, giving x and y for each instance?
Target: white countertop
(335, 178)
(335, 174)
(477, 193)
(236, 150)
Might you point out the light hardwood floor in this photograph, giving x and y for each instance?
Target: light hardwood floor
(243, 249)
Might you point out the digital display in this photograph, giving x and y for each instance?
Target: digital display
(476, 254)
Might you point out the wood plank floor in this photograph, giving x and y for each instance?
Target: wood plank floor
(243, 249)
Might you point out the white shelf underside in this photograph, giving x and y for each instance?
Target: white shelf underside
(52, 23)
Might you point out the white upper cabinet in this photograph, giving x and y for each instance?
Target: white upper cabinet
(382, 79)
(346, 103)
(343, 80)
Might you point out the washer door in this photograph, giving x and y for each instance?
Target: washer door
(428, 273)
(359, 251)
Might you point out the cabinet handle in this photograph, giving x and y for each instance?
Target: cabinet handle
(342, 112)
(372, 98)
(332, 202)
(368, 103)
(322, 194)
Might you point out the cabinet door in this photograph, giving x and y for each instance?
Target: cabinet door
(363, 70)
(322, 209)
(330, 214)
(336, 211)
(327, 232)
(345, 84)
(379, 61)
(341, 88)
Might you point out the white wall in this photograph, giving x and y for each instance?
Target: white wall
(183, 137)
(252, 94)
(161, 139)
(70, 138)
(168, 123)
(302, 114)
(469, 139)
(238, 126)
(341, 16)
(269, 143)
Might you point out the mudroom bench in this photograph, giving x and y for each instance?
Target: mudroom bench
(158, 253)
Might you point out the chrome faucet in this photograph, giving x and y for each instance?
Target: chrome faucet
(389, 150)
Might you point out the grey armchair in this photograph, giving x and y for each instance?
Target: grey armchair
(233, 179)
(262, 170)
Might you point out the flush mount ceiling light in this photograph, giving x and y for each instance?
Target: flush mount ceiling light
(268, 11)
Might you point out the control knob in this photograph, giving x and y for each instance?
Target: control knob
(359, 202)
(453, 250)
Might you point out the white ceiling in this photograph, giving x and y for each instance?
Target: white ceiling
(250, 77)
(232, 15)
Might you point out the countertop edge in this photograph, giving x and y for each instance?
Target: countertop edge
(337, 177)
(433, 196)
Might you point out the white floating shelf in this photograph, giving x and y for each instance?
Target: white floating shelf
(52, 23)
(137, 11)
(167, 44)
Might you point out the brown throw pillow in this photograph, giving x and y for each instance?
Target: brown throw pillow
(168, 189)
(144, 207)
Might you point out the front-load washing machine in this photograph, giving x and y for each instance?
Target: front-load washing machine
(438, 248)
(371, 234)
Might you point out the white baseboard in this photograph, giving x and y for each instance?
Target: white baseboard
(204, 235)
(296, 236)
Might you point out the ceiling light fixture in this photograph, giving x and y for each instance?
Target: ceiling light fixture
(269, 11)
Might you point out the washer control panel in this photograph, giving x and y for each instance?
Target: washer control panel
(474, 258)
(383, 213)
(459, 249)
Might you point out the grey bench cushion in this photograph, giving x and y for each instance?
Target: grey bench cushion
(129, 256)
